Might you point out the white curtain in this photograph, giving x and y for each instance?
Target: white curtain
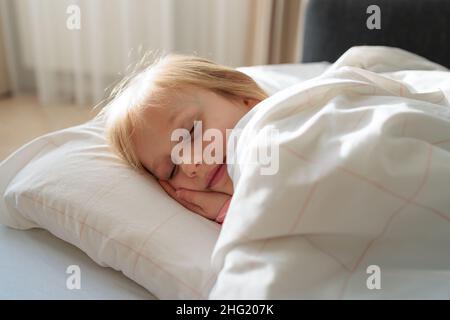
(76, 66)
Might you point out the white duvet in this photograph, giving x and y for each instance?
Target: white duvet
(360, 205)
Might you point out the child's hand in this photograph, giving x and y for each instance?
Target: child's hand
(207, 204)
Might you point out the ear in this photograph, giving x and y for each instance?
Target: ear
(250, 103)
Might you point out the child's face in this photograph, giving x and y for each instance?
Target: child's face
(153, 140)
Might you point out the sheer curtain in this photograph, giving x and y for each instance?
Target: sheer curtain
(64, 65)
(4, 83)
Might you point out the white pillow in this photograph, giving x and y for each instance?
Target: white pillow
(275, 77)
(70, 183)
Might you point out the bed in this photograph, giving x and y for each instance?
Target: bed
(33, 265)
(332, 27)
(50, 257)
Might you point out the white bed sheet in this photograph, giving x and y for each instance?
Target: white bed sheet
(33, 265)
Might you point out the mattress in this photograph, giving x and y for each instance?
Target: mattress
(33, 265)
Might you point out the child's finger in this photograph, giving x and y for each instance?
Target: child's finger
(167, 187)
(189, 195)
(172, 192)
(209, 202)
(191, 206)
(199, 198)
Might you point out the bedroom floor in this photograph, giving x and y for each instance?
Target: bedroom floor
(23, 119)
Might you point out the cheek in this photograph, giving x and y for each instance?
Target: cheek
(225, 130)
(231, 118)
(227, 120)
(225, 117)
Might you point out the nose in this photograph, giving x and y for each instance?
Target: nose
(190, 169)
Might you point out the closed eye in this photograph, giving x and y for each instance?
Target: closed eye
(191, 133)
(172, 173)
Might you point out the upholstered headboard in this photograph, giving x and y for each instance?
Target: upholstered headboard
(419, 26)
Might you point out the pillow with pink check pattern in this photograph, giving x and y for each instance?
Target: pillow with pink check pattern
(69, 183)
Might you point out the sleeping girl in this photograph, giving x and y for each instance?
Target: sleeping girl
(176, 92)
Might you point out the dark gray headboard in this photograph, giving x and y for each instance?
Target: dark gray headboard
(419, 26)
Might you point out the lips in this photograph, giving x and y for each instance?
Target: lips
(215, 174)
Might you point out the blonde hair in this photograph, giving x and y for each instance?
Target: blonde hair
(148, 87)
